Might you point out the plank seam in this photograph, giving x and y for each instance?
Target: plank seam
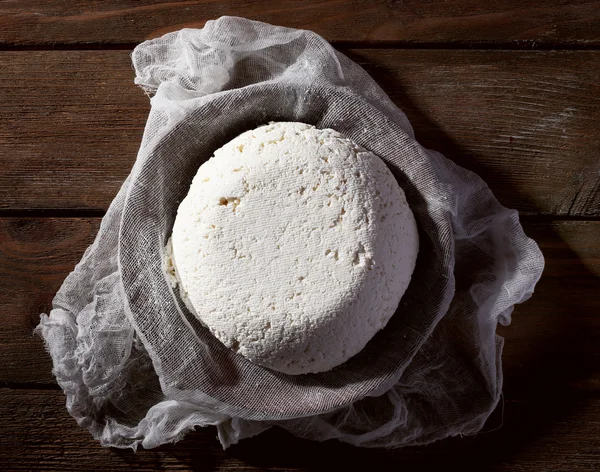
(519, 45)
(51, 213)
(28, 386)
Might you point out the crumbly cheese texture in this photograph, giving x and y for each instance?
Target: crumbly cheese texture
(293, 246)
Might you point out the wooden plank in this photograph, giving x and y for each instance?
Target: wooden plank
(557, 331)
(70, 127)
(527, 122)
(522, 121)
(458, 22)
(549, 434)
(37, 255)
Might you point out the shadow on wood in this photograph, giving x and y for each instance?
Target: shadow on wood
(547, 380)
(539, 386)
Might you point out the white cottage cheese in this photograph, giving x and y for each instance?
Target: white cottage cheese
(293, 246)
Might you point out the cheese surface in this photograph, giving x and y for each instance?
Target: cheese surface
(293, 246)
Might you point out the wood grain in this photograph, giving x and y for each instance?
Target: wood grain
(557, 331)
(459, 22)
(522, 121)
(70, 127)
(36, 433)
(527, 122)
(37, 255)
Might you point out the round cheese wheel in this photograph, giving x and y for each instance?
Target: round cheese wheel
(293, 246)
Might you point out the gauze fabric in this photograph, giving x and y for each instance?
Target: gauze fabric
(139, 369)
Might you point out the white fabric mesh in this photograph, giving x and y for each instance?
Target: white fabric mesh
(137, 368)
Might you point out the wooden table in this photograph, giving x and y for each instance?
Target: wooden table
(507, 89)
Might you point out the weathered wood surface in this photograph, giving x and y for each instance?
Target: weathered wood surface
(546, 433)
(526, 23)
(37, 254)
(555, 333)
(70, 127)
(527, 122)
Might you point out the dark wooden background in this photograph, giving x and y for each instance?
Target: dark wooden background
(509, 89)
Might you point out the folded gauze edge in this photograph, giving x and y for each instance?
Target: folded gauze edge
(138, 368)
